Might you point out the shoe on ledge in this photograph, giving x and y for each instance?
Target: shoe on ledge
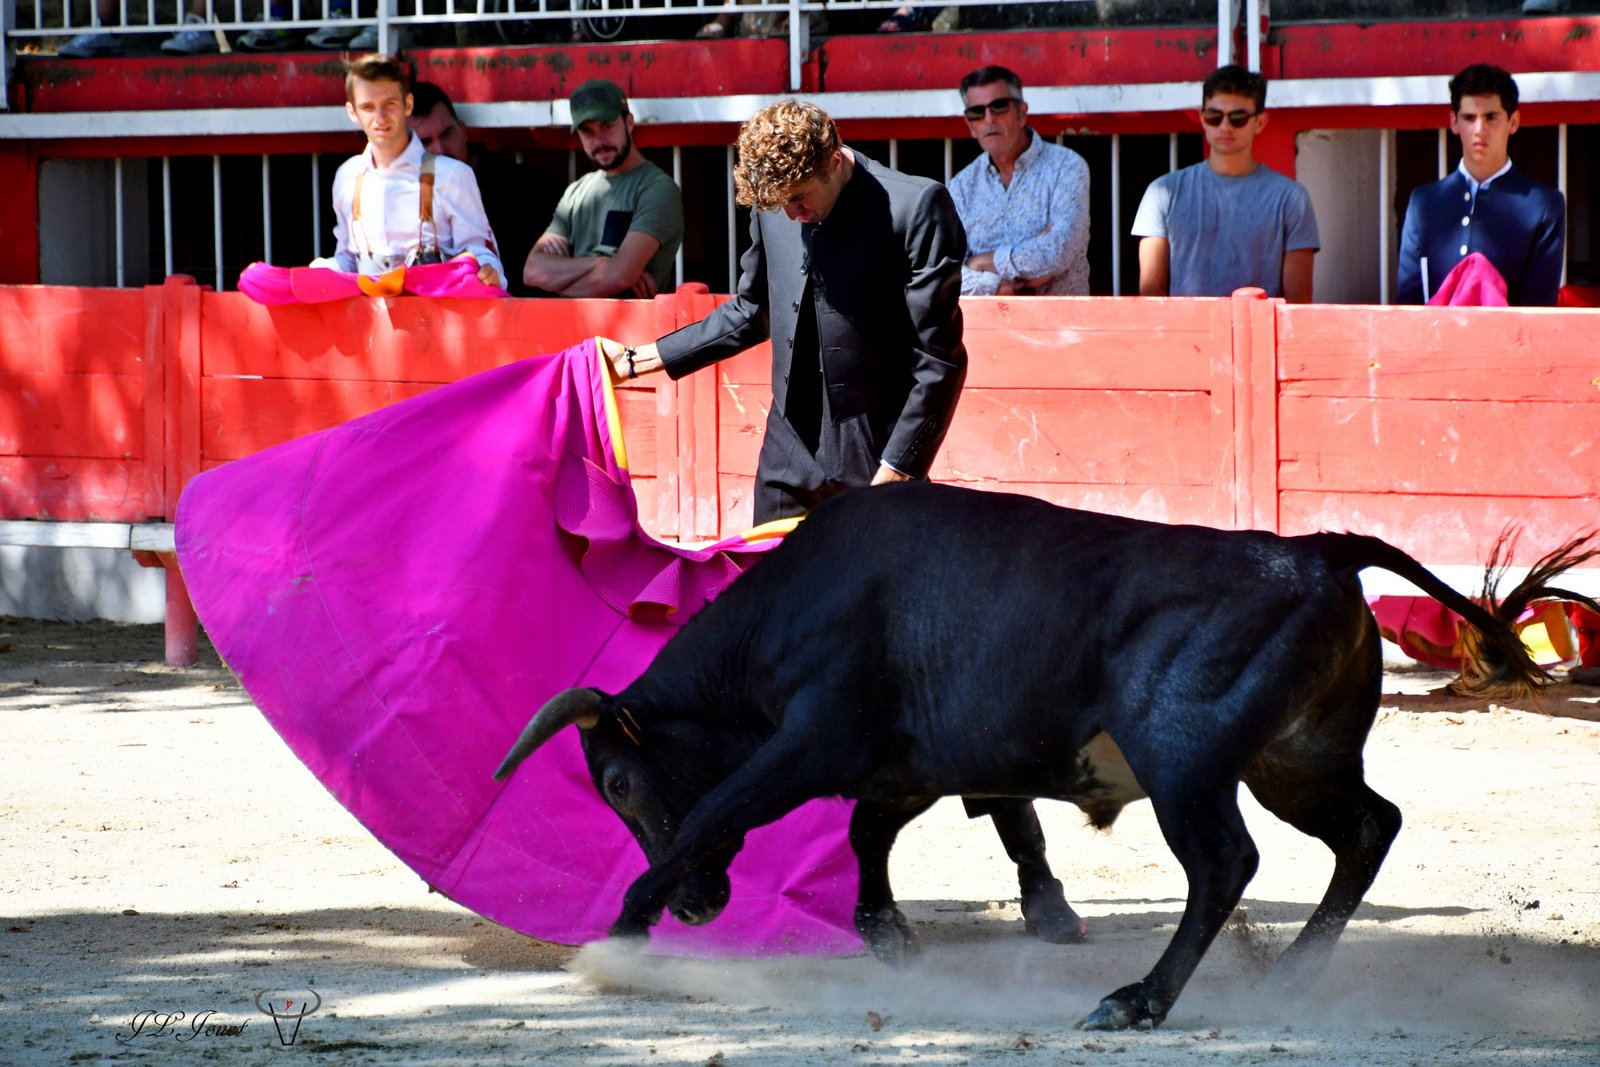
(93, 45)
(199, 40)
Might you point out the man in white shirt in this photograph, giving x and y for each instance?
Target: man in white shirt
(1024, 201)
(383, 219)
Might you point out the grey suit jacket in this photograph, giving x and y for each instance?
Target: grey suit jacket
(885, 267)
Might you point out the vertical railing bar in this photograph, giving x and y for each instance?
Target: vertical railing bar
(949, 159)
(1444, 153)
(1225, 32)
(266, 208)
(799, 33)
(216, 214)
(1252, 32)
(733, 220)
(1385, 221)
(1561, 184)
(1172, 152)
(677, 177)
(316, 205)
(1116, 214)
(166, 212)
(122, 266)
(894, 153)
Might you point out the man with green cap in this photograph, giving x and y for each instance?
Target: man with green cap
(617, 229)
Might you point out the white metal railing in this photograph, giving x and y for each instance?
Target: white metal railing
(36, 24)
(1120, 215)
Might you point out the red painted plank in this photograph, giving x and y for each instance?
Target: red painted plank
(1439, 529)
(1438, 46)
(1441, 447)
(1096, 342)
(1040, 57)
(404, 338)
(57, 329)
(1468, 353)
(301, 79)
(1080, 436)
(68, 489)
(83, 415)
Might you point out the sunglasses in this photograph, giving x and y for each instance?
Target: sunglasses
(995, 107)
(1212, 117)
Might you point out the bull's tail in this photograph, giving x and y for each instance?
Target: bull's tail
(1498, 662)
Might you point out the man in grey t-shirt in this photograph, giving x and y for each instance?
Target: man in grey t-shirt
(617, 229)
(1229, 221)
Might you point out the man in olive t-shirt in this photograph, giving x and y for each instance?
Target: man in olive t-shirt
(617, 229)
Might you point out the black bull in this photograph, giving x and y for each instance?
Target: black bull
(916, 641)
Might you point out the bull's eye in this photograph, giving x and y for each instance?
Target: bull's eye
(619, 787)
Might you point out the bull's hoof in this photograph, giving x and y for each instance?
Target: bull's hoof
(1047, 916)
(887, 934)
(1125, 1009)
(625, 929)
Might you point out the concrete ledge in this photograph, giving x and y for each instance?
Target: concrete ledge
(129, 536)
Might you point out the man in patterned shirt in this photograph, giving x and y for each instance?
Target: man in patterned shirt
(1024, 201)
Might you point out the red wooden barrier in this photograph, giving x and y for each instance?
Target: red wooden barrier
(1430, 427)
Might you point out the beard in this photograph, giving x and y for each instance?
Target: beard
(623, 152)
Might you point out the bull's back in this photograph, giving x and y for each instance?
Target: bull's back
(946, 615)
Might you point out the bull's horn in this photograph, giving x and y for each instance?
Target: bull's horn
(581, 706)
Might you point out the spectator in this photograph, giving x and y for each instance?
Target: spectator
(1229, 221)
(617, 229)
(337, 36)
(390, 214)
(1486, 206)
(766, 23)
(1024, 201)
(518, 199)
(198, 38)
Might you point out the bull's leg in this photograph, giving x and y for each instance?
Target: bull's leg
(1313, 780)
(1357, 825)
(782, 774)
(873, 829)
(1045, 911)
(1207, 834)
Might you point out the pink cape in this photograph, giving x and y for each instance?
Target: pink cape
(266, 284)
(1472, 283)
(400, 593)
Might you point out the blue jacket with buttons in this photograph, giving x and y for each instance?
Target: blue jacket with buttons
(1519, 224)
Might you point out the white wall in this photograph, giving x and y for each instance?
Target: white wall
(1339, 168)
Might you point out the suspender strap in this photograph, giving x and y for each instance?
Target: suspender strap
(425, 207)
(424, 204)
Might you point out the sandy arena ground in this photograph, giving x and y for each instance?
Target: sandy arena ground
(161, 852)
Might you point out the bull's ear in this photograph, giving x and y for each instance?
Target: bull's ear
(573, 706)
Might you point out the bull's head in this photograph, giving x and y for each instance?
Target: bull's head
(637, 772)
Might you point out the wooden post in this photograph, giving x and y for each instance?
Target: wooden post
(180, 405)
(1255, 411)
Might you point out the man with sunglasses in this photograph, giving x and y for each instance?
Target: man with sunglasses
(1486, 206)
(1024, 200)
(1230, 221)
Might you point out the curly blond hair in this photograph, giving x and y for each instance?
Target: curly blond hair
(782, 147)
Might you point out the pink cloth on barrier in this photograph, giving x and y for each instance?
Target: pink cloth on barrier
(1472, 283)
(267, 284)
(1427, 631)
(400, 593)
